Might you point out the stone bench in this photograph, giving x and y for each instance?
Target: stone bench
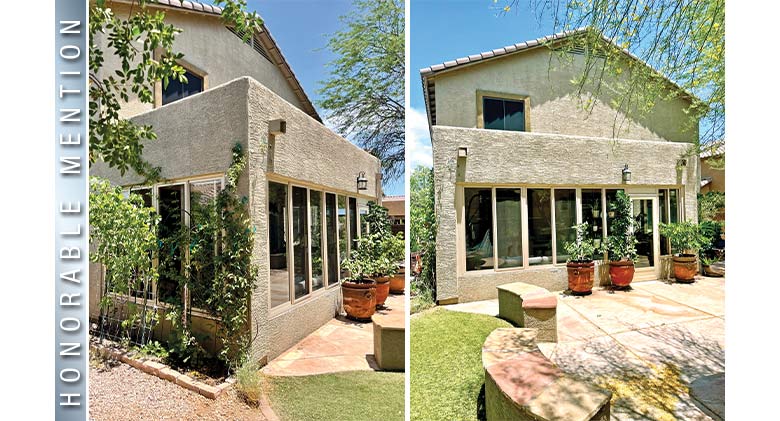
(389, 338)
(529, 306)
(522, 384)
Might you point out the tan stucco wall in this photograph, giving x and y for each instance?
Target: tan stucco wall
(554, 102)
(210, 47)
(503, 157)
(718, 182)
(195, 137)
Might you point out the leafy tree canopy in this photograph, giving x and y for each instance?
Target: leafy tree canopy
(364, 96)
(133, 40)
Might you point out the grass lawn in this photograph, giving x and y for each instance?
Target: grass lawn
(446, 363)
(353, 395)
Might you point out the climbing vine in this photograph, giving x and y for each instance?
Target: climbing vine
(218, 276)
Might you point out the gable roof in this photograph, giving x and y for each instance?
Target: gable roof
(430, 71)
(264, 36)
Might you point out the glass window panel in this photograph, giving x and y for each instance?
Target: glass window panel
(203, 242)
(642, 211)
(277, 239)
(332, 238)
(514, 116)
(565, 219)
(478, 224)
(674, 211)
(300, 240)
(343, 238)
(177, 90)
(353, 224)
(592, 213)
(493, 113)
(315, 216)
(509, 228)
(539, 227)
(171, 203)
(611, 195)
(664, 217)
(363, 210)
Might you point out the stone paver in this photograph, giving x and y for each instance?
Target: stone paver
(703, 295)
(339, 345)
(662, 344)
(622, 311)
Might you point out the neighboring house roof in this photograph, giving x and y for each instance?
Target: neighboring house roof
(265, 37)
(394, 205)
(716, 148)
(428, 72)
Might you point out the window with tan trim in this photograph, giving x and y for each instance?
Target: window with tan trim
(502, 111)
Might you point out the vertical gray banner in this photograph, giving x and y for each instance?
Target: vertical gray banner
(70, 220)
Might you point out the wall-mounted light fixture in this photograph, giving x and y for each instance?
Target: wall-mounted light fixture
(626, 174)
(362, 181)
(463, 152)
(682, 162)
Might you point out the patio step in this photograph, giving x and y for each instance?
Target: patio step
(522, 384)
(530, 306)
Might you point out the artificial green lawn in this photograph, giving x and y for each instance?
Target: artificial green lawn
(446, 374)
(352, 395)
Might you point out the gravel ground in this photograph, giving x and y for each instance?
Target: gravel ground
(122, 392)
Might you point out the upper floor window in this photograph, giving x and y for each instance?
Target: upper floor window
(177, 90)
(503, 114)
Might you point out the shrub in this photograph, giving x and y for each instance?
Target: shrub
(249, 382)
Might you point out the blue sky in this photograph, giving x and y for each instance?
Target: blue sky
(446, 30)
(301, 28)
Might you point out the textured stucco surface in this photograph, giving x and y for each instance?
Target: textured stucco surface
(502, 157)
(554, 103)
(195, 137)
(209, 46)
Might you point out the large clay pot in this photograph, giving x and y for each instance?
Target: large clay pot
(398, 281)
(382, 289)
(621, 273)
(580, 277)
(685, 267)
(359, 299)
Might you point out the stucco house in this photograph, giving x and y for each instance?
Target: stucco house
(517, 161)
(396, 210)
(306, 186)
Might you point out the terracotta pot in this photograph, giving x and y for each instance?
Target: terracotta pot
(359, 299)
(685, 267)
(382, 289)
(580, 277)
(398, 282)
(621, 273)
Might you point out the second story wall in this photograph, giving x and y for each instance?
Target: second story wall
(546, 81)
(208, 48)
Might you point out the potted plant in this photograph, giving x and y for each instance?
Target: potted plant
(394, 248)
(580, 263)
(621, 245)
(358, 291)
(686, 239)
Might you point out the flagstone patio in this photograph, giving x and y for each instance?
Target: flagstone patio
(339, 345)
(660, 347)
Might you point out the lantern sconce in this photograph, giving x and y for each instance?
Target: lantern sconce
(362, 181)
(626, 174)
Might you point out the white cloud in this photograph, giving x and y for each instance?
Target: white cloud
(418, 139)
